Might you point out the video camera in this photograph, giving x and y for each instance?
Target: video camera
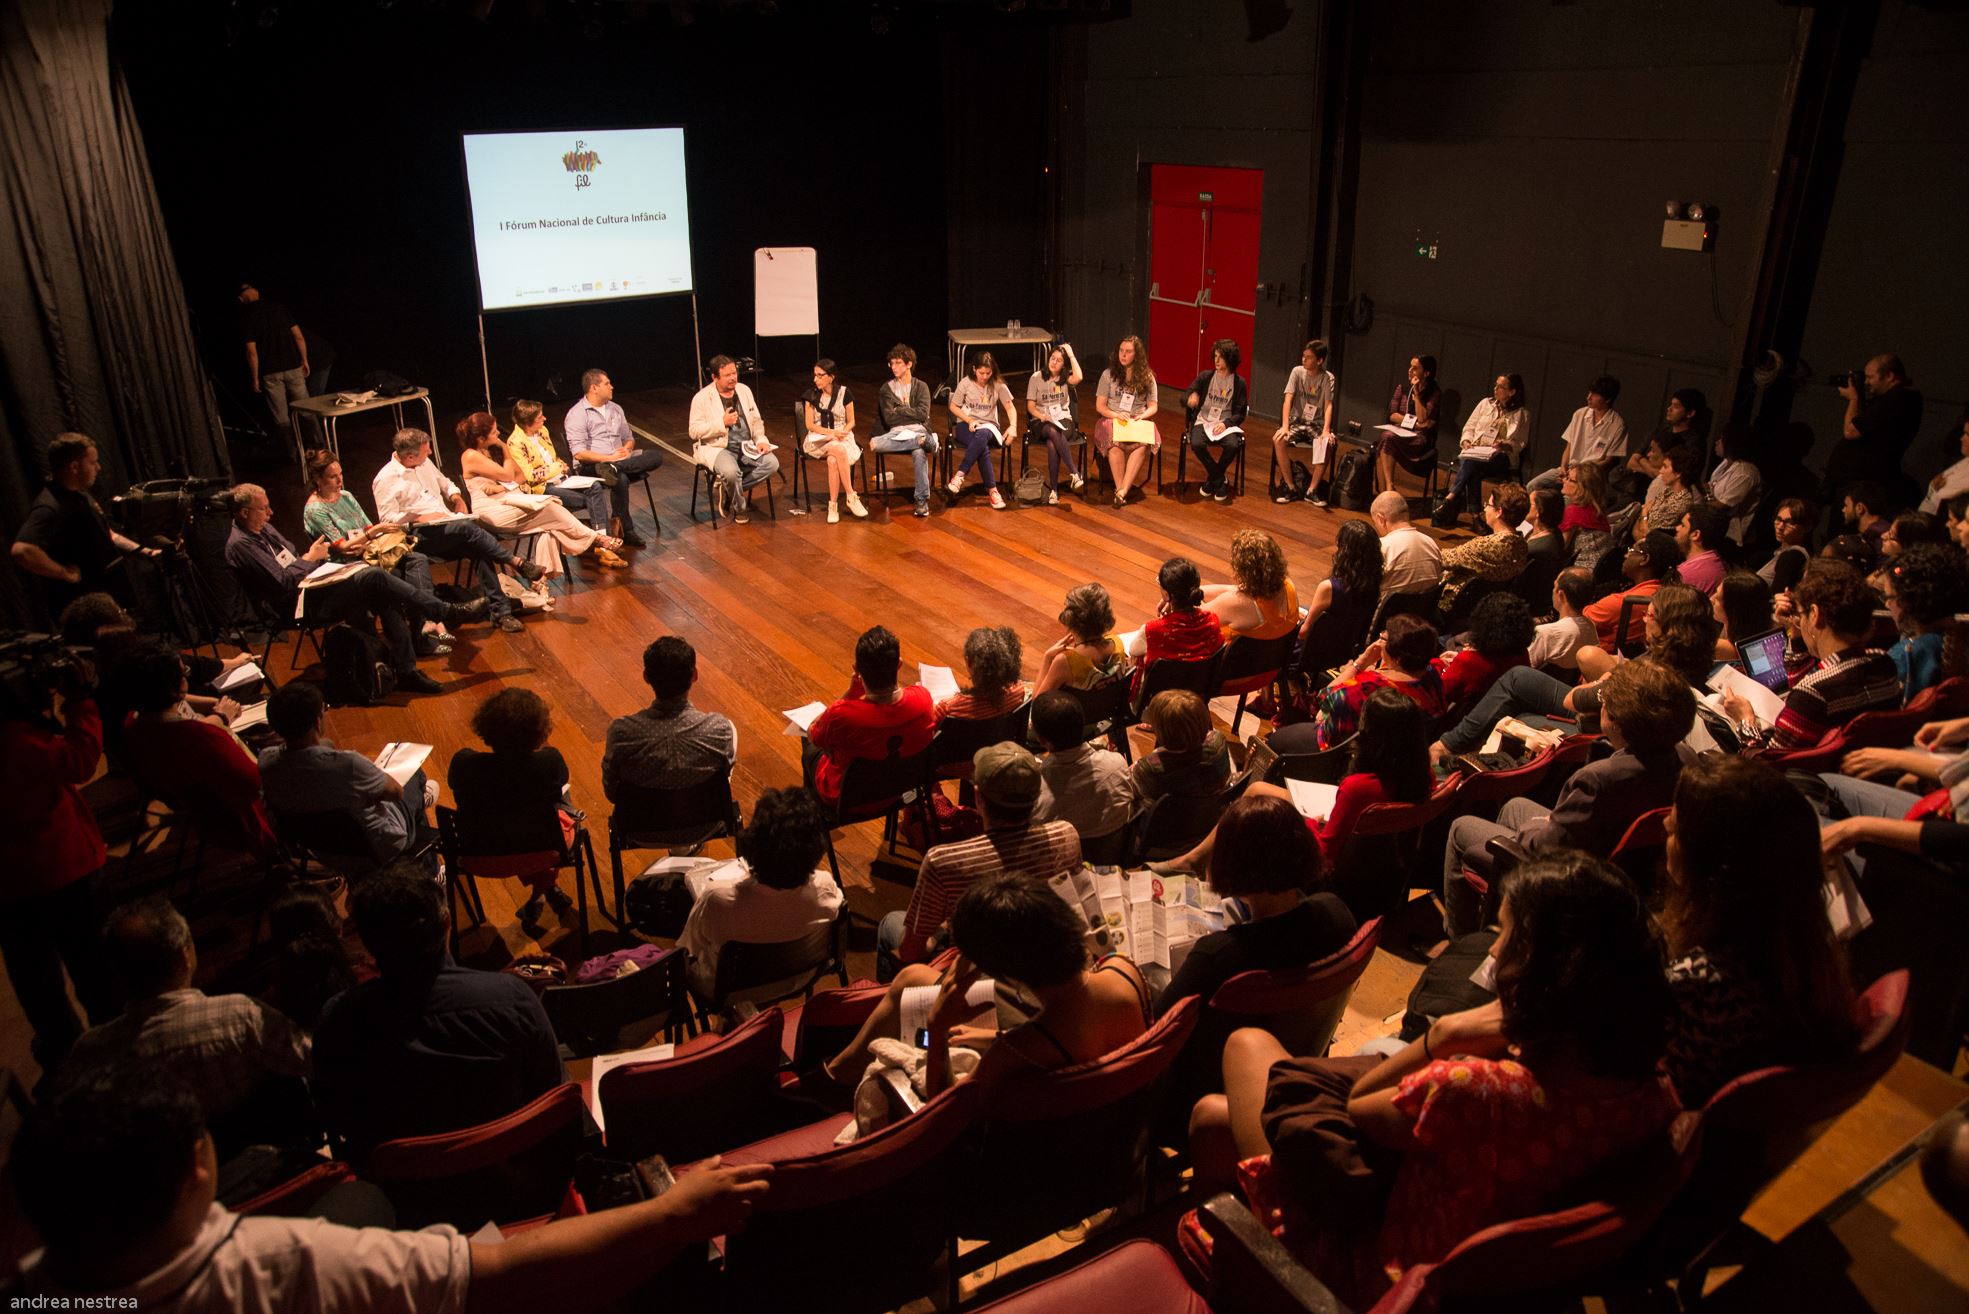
(32, 667)
(165, 508)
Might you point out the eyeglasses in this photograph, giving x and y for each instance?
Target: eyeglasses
(1787, 520)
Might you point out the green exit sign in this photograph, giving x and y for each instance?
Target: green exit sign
(1425, 250)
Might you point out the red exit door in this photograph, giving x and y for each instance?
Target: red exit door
(1203, 266)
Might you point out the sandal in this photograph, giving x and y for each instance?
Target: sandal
(609, 561)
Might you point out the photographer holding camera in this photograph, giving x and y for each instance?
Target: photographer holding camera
(1883, 411)
(51, 853)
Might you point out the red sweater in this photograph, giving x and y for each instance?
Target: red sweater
(855, 727)
(1358, 791)
(1470, 674)
(49, 839)
(200, 767)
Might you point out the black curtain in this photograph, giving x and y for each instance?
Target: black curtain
(94, 334)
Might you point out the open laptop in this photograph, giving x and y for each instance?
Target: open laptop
(1761, 657)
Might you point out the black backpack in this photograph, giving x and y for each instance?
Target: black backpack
(1353, 481)
(357, 667)
(1294, 481)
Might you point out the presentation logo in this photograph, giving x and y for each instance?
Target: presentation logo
(581, 161)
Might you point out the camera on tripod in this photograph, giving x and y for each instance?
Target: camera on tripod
(33, 666)
(165, 508)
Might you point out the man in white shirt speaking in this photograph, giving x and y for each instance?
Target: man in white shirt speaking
(729, 438)
(411, 490)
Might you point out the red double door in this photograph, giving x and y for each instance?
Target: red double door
(1203, 266)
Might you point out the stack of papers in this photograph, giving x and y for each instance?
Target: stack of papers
(402, 761)
(575, 483)
(604, 1063)
(255, 714)
(1764, 704)
(239, 676)
(1314, 800)
(331, 572)
(803, 717)
(940, 682)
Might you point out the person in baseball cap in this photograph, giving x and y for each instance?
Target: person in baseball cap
(1007, 779)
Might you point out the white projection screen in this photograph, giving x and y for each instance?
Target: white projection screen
(569, 218)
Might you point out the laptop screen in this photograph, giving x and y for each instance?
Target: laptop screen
(1762, 659)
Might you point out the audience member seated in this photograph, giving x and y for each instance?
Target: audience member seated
(1343, 604)
(198, 759)
(1886, 815)
(670, 744)
(1181, 629)
(1015, 839)
(98, 621)
(505, 796)
(1011, 929)
(410, 490)
(311, 963)
(1501, 631)
(1742, 605)
(1865, 509)
(1680, 629)
(603, 444)
(1410, 560)
(1556, 643)
(1922, 588)
(873, 718)
(1792, 523)
(1088, 653)
(1834, 613)
(542, 469)
(1496, 557)
(1677, 488)
(1640, 475)
(1645, 565)
(1389, 764)
(1261, 603)
(1595, 435)
(1757, 975)
(496, 481)
(1219, 400)
(306, 774)
(1911, 529)
(226, 1048)
(993, 656)
(1855, 550)
(1414, 409)
(159, 1240)
(1403, 659)
(1548, 519)
(1500, 423)
(270, 570)
(1952, 482)
(51, 859)
(1190, 758)
(1589, 536)
(1087, 785)
(428, 1046)
(1735, 483)
(1371, 1160)
(1645, 712)
(903, 407)
(1701, 530)
(778, 889)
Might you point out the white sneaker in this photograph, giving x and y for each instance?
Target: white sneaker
(955, 486)
(1079, 482)
(1052, 497)
(833, 513)
(855, 508)
(997, 500)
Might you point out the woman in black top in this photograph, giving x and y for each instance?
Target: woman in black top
(1218, 400)
(512, 799)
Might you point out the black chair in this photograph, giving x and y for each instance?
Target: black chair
(766, 973)
(1630, 634)
(1457, 616)
(1176, 823)
(1534, 582)
(589, 1019)
(882, 787)
(1076, 440)
(335, 840)
(1248, 665)
(1326, 767)
(1338, 635)
(802, 477)
(270, 618)
(1200, 676)
(1183, 456)
(958, 739)
(667, 819)
(649, 494)
(703, 477)
(1422, 603)
(1107, 709)
(468, 858)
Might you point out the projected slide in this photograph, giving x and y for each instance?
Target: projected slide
(562, 218)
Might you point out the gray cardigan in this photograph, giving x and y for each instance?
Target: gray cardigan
(894, 413)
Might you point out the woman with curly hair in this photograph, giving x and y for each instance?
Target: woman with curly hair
(1261, 604)
(1402, 659)
(1501, 631)
(494, 480)
(1088, 652)
(1344, 602)
(1364, 1165)
(992, 657)
(1126, 392)
(512, 797)
(1681, 632)
(1923, 586)
(1756, 972)
(783, 892)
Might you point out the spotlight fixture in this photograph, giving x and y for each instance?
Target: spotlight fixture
(1674, 209)
(1697, 212)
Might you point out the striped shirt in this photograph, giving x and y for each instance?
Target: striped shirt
(1844, 685)
(222, 1046)
(1043, 849)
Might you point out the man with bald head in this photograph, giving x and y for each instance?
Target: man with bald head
(1410, 560)
(1883, 412)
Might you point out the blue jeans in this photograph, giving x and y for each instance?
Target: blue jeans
(456, 539)
(627, 470)
(977, 451)
(922, 448)
(1520, 689)
(1058, 452)
(1466, 486)
(888, 939)
(593, 500)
